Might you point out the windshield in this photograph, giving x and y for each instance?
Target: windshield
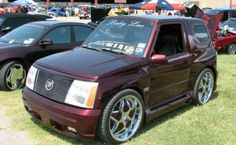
(26, 34)
(230, 24)
(122, 36)
(212, 12)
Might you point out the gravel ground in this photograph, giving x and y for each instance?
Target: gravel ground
(10, 137)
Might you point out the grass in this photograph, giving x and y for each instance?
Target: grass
(210, 124)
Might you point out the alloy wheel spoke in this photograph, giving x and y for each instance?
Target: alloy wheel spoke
(121, 130)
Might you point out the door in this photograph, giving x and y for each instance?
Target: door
(170, 80)
(61, 41)
(61, 38)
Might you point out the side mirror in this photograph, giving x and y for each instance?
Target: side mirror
(6, 29)
(159, 58)
(45, 42)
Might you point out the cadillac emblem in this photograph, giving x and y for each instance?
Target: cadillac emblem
(49, 84)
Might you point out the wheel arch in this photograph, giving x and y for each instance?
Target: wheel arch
(213, 69)
(14, 59)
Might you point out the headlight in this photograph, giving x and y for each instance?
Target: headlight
(82, 94)
(31, 77)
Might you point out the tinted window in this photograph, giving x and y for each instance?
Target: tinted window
(59, 35)
(26, 34)
(201, 33)
(16, 22)
(81, 32)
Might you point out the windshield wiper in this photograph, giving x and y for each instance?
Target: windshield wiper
(92, 48)
(114, 51)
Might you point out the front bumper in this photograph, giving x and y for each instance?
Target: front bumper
(71, 121)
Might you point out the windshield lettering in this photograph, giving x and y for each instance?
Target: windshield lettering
(123, 23)
(122, 36)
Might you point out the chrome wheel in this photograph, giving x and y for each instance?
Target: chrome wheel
(125, 118)
(232, 49)
(205, 87)
(15, 76)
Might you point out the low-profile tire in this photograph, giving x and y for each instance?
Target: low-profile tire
(12, 76)
(231, 49)
(122, 117)
(204, 86)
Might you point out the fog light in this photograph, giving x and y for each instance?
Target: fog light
(71, 129)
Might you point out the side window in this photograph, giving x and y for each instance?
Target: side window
(16, 22)
(170, 40)
(233, 14)
(200, 32)
(81, 32)
(59, 35)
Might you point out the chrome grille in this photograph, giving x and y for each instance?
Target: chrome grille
(60, 87)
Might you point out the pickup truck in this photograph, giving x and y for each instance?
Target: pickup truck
(130, 70)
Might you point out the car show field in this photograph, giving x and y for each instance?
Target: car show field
(150, 73)
(213, 123)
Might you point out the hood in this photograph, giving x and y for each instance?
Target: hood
(89, 64)
(4, 45)
(212, 21)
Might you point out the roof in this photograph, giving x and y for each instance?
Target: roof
(19, 15)
(50, 23)
(162, 17)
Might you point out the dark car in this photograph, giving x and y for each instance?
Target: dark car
(226, 37)
(27, 43)
(10, 21)
(128, 71)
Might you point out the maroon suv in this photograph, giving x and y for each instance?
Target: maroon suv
(130, 70)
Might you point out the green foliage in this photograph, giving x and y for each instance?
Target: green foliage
(210, 124)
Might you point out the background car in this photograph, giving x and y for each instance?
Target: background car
(227, 13)
(226, 37)
(22, 46)
(10, 21)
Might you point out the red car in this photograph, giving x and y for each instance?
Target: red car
(128, 71)
(226, 37)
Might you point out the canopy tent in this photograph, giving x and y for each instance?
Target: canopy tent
(158, 4)
(24, 2)
(152, 5)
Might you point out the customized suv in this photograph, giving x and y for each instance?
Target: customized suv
(130, 70)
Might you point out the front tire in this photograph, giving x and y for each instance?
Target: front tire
(231, 49)
(12, 76)
(122, 117)
(204, 86)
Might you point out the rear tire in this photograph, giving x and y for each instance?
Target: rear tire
(12, 76)
(122, 117)
(204, 86)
